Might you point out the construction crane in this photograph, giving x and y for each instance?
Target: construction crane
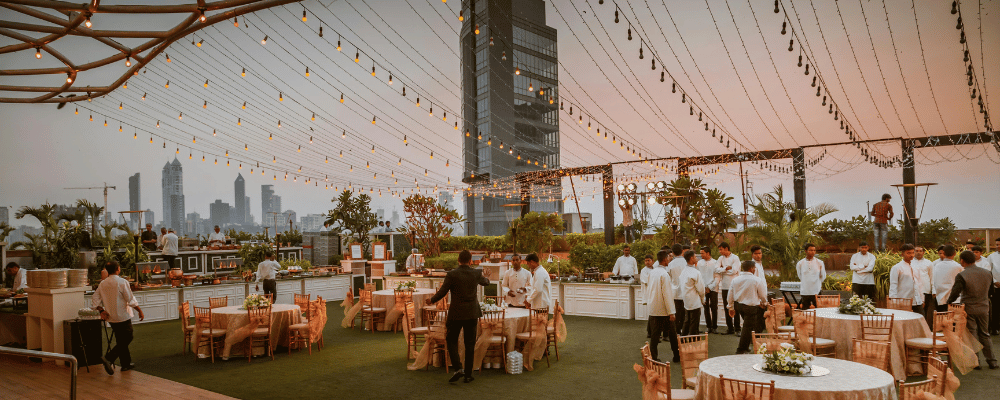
(105, 187)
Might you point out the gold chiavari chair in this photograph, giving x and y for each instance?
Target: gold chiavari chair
(262, 333)
(817, 346)
(761, 391)
(217, 302)
(877, 327)
(909, 391)
(694, 350)
(872, 353)
(205, 333)
(369, 312)
(894, 303)
(827, 300)
(773, 341)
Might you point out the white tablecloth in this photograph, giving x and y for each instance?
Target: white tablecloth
(232, 318)
(833, 325)
(846, 380)
(386, 299)
(515, 321)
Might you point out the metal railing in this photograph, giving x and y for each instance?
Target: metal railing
(45, 354)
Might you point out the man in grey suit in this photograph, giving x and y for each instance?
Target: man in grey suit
(464, 311)
(973, 285)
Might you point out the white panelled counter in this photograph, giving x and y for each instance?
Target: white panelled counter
(606, 300)
(638, 298)
(161, 304)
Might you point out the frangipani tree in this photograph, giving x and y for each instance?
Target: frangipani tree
(429, 222)
(782, 230)
(353, 216)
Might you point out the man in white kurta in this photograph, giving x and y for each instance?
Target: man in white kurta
(540, 295)
(20, 276)
(693, 294)
(647, 269)
(904, 281)
(757, 256)
(707, 266)
(729, 267)
(925, 269)
(516, 283)
(216, 238)
(944, 275)
(812, 272)
(415, 261)
(674, 268)
(660, 301)
(625, 265)
(862, 265)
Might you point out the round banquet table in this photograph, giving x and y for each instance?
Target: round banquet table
(833, 325)
(232, 318)
(846, 380)
(386, 299)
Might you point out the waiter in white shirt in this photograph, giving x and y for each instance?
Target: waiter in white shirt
(19, 274)
(994, 260)
(516, 283)
(647, 269)
(925, 269)
(944, 275)
(811, 272)
(216, 238)
(674, 268)
(660, 300)
(748, 296)
(862, 265)
(757, 256)
(541, 285)
(707, 266)
(626, 264)
(904, 281)
(414, 261)
(170, 249)
(266, 272)
(729, 267)
(114, 299)
(693, 294)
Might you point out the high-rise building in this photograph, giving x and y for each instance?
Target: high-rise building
(218, 213)
(510, 102)
(240, 202)
(172, 184)
(275, 204)
(312, 222)
(149, 217)
(134, 201)
(195, 224)
(4, 216)
(290, 218)
(266, 192)
(445, 198)
(247, 218)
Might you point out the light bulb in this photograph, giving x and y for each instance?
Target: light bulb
(180, 116)
(461, 15)
(390, 79)
(236, 22)
(356, 56)
(307, 71)
(477, 29)
(244, 72)
(373, 69)
(167, 85)
(303, 15)
(87, 23)
(338, 44)
(373, 120)
(200, 42)
(244, 105)
(128, 61)
(341, 97)
(280, 97)
(69, 78)
(206, 82)
(313, 118)
(201, 15)
(264, 40)
(517, 71)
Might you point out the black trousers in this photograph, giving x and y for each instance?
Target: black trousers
(807, 300)
(930, 306)
(732, 324)
(691, 320)
(679, 316)
(662, 326)
(271, 287)
(170, 262)
(976, 324)
(752, 318)
(712, 310)
(939, 308)
(864, 289)
(123, 337)
(454, 327)
(919, 309)
(994, 315)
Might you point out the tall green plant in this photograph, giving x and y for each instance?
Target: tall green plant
(429, 221)
(5, 230)
(782, 230)
(702, 215)
(352, 216)
(534, 231)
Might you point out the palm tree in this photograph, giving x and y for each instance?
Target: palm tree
(94, 211)
(782, 230)
(5, 230)
(45, 216)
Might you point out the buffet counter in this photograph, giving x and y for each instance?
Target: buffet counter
(598, 299)
(161, 304)
(200, 261)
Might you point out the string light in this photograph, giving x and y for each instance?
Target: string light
(244, 72)
(128, 61)
(38, 53)
(264, 40)
(236, 22)
(69, 77)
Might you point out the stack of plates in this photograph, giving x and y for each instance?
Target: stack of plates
(35, 278)
(56, 278)
(76, 278)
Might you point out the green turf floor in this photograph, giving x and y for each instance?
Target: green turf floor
(596, 363)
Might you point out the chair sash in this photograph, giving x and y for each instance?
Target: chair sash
(951, 381)
(921, 395)
(770, 320)
(243, 332)
(351, 309)
(394, 313)
(742, 394)
(652, 383)
(534, 348)
(803, 332)
(694, 351)
(559, 324)
(961, 350)
(424, 355)
(483, 342)
(317, 319)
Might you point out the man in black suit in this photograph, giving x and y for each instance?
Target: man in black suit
(973, 285)
(464, 311)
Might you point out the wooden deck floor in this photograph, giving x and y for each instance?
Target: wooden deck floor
(21, 379)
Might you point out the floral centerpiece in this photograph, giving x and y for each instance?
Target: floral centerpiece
(407, 286)
(858, 305)
(490, 305)
(786, 361)
(255, 301)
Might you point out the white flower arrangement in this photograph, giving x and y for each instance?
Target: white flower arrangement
(490, 305)
(858, 305)
(407, 286)
(786, 361)
(255, 301)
